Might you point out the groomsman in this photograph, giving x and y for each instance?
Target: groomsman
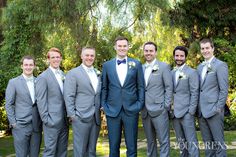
(51, 105)
(186, 91)
(213, 75)
(122, 98)
(158, 96)
(82, 96)
(22, 111)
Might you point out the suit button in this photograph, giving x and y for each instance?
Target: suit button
(145, 90)
(174, 92)
(201, 90)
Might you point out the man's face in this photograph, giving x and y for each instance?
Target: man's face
(121, 48)
(88, 57)
(149, 52)
(54, 59)
(206, 50)
(179, 57)
(28, 67)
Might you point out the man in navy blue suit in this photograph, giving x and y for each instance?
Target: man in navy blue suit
(122, 98)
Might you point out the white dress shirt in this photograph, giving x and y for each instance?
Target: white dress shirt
(179, 69)
(148, 70)
(122, 70)
(30, 85)
(204, 70)
(92, 76)
(59, 76)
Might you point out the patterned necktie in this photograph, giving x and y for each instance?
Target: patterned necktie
(121, 61)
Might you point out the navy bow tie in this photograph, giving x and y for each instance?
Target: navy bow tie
(121, 61)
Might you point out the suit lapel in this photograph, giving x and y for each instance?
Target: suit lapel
(24, 84)
(151, 74)
(212, 65)
(54, 79)
(84, 74)
(128, 71)
(115, 74)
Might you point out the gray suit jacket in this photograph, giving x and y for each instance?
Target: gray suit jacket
(50, 100)
(213, 89)
(186, 92)
(19, 106)
(80, 97)
(158, 91)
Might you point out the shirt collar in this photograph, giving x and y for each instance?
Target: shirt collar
(151, 64)
(122, 58)
(209, 61)
(87, 68)
(28, 78)
(53, 69)
(181, 67)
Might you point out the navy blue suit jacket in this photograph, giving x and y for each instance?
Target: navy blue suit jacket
(130, 96)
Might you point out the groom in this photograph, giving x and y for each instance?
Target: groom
(122, 98)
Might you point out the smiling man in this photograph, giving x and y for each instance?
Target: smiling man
(213, 75)
(122, 98)
(82, 96)
(51, 105)
(158, 96)
(22, 111)
(185, 100)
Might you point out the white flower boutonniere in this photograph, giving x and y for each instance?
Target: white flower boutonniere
(182, 75)
(98, 72)
(209, 68)
(63, 77)
(131, 64)
(155, 68)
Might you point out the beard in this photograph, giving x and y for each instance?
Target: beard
(179, 62)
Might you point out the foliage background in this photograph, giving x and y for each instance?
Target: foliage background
(32, 27)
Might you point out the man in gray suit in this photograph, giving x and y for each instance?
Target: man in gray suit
(51, 105)
(158, 96)
(186, 91)
(82, 96)
(213, 75)
(22, 111)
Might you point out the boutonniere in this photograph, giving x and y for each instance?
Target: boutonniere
(155, 68)
(209, 68)
(131, 64)
(63, 77)
(97, 72)
(182, 75)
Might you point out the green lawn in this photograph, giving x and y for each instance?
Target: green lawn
(6, 145)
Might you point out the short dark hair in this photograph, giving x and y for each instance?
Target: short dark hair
(53, 49)
(181, 48)
(150, 43)
(27, 57)
(207, 40)
(121, 38)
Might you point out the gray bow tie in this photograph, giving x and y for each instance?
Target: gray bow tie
(205, 63)
(29, 79)
(57, 71)
(147, 65)
(90, 70)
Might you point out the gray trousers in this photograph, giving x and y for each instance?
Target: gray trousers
(157, 127)
(186, 136)
(26, 141)
(212, 130)
(55, 141)
(85, 135)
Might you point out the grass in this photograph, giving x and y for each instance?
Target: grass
(7, 148)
